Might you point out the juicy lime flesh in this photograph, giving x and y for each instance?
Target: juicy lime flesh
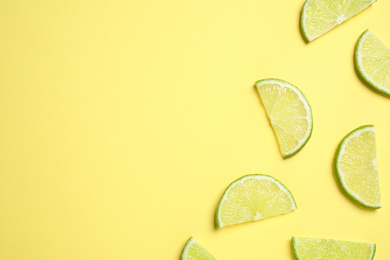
(320, 16)
(194, 251)
(254, 198)
(373, 59)
(309, 249)
(288, 114)
(358, 168)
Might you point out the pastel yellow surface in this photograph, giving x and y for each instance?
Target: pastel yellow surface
(122, 123)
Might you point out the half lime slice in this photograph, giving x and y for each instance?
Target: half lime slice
(372, 61)
(355, 167)
(314, 248)
(253, 197)
(289, 113)
(320, 16)
(195, 251)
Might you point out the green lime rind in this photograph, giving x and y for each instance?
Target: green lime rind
(373, 252)
(338, 174)
(309, 110)
(202, 253)
(294, 242)
(218, 222)
(294, 248)
(305, 35)
(359, 68)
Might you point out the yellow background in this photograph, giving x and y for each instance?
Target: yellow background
(122, 123)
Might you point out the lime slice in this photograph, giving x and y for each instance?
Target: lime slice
(194, 251)
(320, 16)
(289, 113)
(372, 61)
(311, 248)
(253, 197)
(356, 169)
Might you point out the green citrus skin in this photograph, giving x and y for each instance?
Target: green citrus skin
(303, 31)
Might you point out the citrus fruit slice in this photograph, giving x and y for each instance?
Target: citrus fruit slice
(253, 197)
(372, 61)
(311, 248)
(320, 16)
(356, 169)
(289, 112)
(194, 251)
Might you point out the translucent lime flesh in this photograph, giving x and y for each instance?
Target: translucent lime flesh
(309, 249)
(194, 251)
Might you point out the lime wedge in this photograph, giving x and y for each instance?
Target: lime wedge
(320, 16)
(289, 112)
(372, 61)
(194, 251)
(311, 248)
(253, 197)
(356, 169)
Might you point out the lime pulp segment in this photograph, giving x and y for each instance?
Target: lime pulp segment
(312, 248)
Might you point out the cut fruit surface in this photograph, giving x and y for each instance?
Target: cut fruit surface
(312, 248)
(372, 61)
(289, 113)
(253, 197)
(320, 16)
(355, 167)
(194, 251)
